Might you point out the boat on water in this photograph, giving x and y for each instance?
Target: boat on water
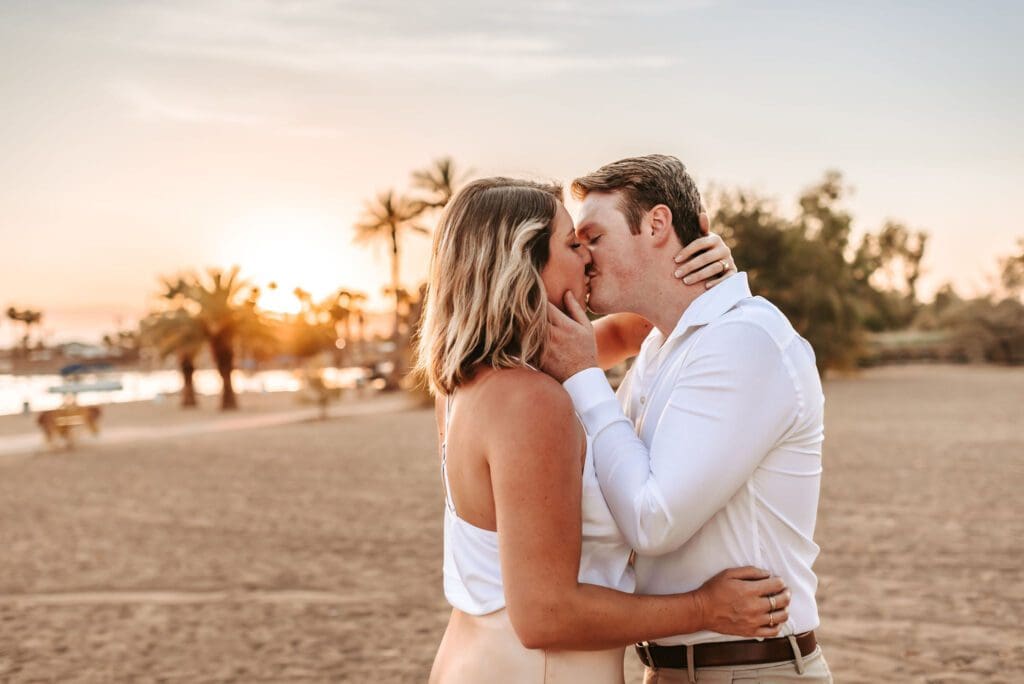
(87, 377)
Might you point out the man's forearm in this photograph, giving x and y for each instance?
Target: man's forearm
(711, 432)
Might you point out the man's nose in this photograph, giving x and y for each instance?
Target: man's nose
(587, 254)
(591, 261)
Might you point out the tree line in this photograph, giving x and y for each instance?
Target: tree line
(847, 298)
(855, 301)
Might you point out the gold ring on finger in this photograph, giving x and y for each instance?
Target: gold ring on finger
(771, 619)
(725, 265)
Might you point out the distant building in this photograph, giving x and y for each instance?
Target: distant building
(80, 350)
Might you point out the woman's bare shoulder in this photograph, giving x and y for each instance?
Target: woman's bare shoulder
(523, 391)
(521, 410)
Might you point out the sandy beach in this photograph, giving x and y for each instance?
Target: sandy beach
(308, 551)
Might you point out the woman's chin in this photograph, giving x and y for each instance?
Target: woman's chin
(580, 296)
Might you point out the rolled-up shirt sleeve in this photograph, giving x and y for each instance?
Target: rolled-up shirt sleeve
(728, 406)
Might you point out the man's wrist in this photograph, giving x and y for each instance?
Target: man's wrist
(578, 368)
(584, 384)
(594, 399)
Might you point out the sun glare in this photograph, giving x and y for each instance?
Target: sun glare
(279, 299)
(280, 250)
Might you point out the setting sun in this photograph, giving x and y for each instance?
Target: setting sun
(281, 249)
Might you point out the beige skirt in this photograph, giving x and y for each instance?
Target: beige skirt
(486, 649)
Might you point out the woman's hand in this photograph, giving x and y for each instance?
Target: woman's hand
(744, 602)
(706, 259)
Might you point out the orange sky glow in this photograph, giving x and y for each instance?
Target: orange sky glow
(143, 138)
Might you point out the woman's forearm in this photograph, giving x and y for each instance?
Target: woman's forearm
(618, 338)
(596, 618)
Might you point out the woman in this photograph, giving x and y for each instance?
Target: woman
(536, 571)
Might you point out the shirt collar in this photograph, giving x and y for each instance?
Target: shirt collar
(712, 304)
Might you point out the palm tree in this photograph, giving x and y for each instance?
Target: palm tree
(225, 308)
(28, 318)
(356, 301)
(403, 300)
(180, 333)
(123, 344)
(340, 309)
(344, 306)
(310, 331)
(387, 220)
(440, 180)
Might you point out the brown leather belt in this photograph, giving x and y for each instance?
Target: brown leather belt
(721, 653)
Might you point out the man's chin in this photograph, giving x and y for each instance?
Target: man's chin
(595, 306)
(600, 305)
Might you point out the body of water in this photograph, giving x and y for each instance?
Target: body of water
(18, 390)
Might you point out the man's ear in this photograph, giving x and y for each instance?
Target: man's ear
(660, 224)
(705, 224)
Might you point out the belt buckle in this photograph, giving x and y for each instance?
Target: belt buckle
(644, 648)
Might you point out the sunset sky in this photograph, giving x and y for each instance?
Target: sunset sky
(140, 138)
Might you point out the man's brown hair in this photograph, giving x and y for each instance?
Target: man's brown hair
(644, 183)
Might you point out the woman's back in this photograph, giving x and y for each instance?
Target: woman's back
(472, 559)
(472, 562)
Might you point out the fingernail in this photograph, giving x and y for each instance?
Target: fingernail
(688, 280)
(678, 260)
(677, 274)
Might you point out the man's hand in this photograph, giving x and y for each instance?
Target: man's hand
(570, 346)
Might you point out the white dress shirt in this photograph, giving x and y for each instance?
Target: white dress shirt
(716, 461)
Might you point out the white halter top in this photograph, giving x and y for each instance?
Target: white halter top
(472, 567)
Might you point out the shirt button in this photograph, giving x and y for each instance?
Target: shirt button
(643, 400)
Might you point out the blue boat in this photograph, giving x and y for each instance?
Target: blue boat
(86, 377)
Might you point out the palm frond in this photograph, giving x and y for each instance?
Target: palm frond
(440, 181)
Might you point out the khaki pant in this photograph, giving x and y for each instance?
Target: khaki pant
(485, 650)
(815, 670)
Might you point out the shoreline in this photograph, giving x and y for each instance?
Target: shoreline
(149, 419)
(17, 391)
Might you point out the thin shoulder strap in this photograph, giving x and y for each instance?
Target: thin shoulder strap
(447, 414)
(444, 455)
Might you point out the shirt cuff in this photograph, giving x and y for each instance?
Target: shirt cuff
(594, 400)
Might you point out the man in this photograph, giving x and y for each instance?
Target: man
(713, 458)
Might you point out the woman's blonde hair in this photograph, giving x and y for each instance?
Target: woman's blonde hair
(485, 302)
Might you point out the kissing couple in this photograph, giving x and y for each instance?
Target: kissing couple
(676, 514)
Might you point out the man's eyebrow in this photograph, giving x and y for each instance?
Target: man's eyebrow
(572, 232)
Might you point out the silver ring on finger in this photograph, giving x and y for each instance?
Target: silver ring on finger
(771, 602)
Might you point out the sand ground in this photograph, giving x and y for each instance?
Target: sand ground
(310, 551)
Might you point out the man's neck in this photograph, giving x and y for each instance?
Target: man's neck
(666, 305)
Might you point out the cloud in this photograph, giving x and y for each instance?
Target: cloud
(149, 106)
(361, 47)
(525, 39)
(146, 104)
